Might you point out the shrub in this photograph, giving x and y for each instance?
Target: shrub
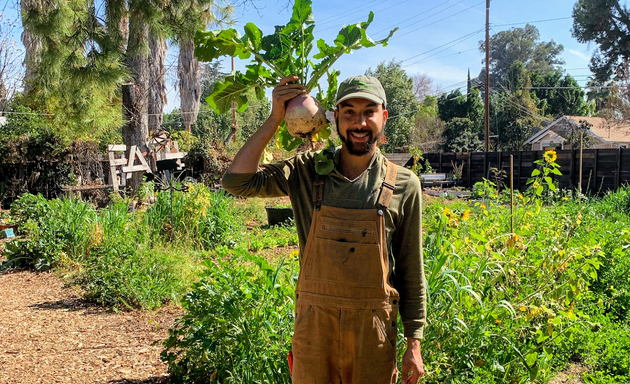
(237, 326)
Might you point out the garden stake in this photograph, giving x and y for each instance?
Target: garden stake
(170, 186)
(512, 192)
(581, 146)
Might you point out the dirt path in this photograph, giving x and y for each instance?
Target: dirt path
(48, 334)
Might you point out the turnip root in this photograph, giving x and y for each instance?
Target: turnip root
(305, 116)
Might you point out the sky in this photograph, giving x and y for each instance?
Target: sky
(439, 38)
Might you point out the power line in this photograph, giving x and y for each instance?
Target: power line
(462, 40)
(341, 15)
(443, 45)
(576, 87)
(420, 14)
(428, 25)
(532, 22)
(441, 57)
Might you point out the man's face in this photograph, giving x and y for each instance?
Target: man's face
(360, 124)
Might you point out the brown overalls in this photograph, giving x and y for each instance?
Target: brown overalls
(345, 321)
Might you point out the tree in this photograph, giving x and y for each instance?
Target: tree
(32, 42)
(187, 20)
(10, 67)
(561, 101)
(428, 130)
(520, 44)
(462, 135)
(73, 75)
(463, 116)
(607, 23)
(401, 103)
(157, 81)
(513, 110)
(423, 86)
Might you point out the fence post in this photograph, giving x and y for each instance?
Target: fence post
(485, 165)
(469, 165)
(572, 169)
(618, 175)
(520, 164)
(595, 171)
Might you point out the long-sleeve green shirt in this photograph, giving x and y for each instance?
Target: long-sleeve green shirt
(294, 177)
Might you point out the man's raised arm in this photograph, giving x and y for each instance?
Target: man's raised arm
(247, 158)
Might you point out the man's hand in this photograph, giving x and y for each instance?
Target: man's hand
(282, 93)
(413, 366)
(246, 160)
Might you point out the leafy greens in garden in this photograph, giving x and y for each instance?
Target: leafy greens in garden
(285, 52)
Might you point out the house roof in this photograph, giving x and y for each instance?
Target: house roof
(603, 129)
(540, 134)
(554, 135)
(607, 129)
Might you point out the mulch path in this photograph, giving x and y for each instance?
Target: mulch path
(49, 334)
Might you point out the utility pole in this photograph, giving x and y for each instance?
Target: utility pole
(487, 96)
(232, 135)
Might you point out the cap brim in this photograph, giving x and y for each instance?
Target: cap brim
(361, 95)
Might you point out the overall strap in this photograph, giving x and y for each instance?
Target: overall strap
(318, 190)
(387, 190)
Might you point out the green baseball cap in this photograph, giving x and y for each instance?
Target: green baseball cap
(363, 87)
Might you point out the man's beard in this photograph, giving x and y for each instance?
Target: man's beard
(363, 148)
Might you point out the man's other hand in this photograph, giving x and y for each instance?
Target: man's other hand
(413, 366)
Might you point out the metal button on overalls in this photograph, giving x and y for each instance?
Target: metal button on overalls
(345, 326)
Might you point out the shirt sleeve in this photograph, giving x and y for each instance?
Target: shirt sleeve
(409, 263)
(271, 180)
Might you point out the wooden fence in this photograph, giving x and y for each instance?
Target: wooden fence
(602, 169)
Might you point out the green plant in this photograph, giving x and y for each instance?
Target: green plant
(485, 189)
(542, 175)
(285, 52)
(238, 323)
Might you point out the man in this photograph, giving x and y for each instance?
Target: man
(360, 242)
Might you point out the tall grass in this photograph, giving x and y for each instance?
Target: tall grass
(124, 258)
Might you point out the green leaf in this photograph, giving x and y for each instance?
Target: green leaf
(539, 190)
(232, 88)
(302, 16)
(556, 171)
(254, 36)
(535, 172)
(531, 359)
(214, 44)
(478, 236)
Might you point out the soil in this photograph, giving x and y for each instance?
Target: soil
(49, 334)
(572, 375)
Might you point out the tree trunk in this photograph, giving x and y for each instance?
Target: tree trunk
(157, 86)
(189, 73)
(32, 42)
(135, 93)
(117, 24)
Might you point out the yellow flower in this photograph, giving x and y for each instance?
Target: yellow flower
(522, 309)
(520, 196)
(446, 211)
(482, 206)
(565, 198)
(466, 214)
(550, 156)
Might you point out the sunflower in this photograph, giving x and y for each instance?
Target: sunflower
(446, 211)
(466, 214)
(550, 156)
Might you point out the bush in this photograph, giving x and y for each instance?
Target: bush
(53, 228)
(238, 324)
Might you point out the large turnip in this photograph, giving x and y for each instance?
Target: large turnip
(305, 116)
